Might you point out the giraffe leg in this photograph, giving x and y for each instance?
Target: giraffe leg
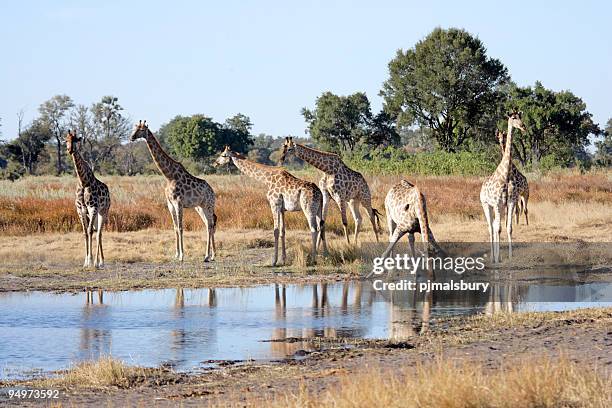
(497, 214)
(354, 207)
(93, 216)
(321, 236)
(314, 232)
(342, 207)
(178, 208)
(208, 219)
(397, 235)
(99, 263)
(282, 238)
(84, 223)
(525, 199)
(488, 212)
(276, 214)
(391, 225)
(175, 224)
(411, 243)
(510, 210)
(325, 193)
(367, 204)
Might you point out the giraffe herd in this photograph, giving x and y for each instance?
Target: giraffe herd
(503, 193)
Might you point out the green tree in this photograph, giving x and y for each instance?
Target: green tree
(558, 125)
(446, 83)
(110, 129)
(53, 114)
(199, 137)
(603, 154)
(29, 145)
(339, 123)
(237, 133)
(382, 130)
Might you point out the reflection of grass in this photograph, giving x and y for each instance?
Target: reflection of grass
(448, 384)
(103, 373)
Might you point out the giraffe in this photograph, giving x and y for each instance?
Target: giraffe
(285, 193)
(92, 202)
(406, 214)
(517, 181)
(344, 185)
(183, 190)
(494, 192)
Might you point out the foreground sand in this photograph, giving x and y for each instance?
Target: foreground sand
(545, 359)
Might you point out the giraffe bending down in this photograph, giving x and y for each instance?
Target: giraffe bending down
(494, 195)
(92, 202)
(406, 214)
(344, 185)
(182, 191)
(285, 193)
(517, 182)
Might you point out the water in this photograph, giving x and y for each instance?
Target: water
(189, 329)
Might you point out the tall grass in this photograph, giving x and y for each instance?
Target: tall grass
(448, 384)
(46, 204)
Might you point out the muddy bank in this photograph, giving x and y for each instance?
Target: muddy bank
(584, 337)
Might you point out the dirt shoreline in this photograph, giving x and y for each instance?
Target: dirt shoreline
(583, 337)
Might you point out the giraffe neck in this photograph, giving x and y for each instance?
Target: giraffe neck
(326, 162)
(503, 170)
(84, 172)
(255, 170)
(168, 166)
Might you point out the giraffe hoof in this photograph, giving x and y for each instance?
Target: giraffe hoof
(207, 259)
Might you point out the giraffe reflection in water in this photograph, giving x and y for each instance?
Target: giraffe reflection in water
(94, 342)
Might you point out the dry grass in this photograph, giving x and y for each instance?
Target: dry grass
(103, 373)
(450, 384)
(46, 204)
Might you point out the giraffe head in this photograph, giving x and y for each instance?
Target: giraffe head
(288, 148)
(225, 157)
(140, 131)
(71, 142)
(515, 120)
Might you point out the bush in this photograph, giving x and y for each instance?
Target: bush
(392, 160)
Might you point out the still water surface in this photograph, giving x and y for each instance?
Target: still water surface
(188, 329)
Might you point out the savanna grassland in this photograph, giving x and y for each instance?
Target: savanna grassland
(41, 243)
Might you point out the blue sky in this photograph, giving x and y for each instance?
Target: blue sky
(268, 59)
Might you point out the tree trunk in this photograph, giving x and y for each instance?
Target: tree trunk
(59, 156)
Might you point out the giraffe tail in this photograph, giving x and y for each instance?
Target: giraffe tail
(377, 215)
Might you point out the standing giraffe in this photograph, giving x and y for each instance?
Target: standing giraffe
(92, 202)
(494, 192)
(406, 214)
(182, 191)
(285, 193)
(517, 182)
(344, 185)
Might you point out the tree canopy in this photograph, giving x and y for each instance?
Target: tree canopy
(557, 123)
(341, 123)
(199, 137)
(445, 83)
